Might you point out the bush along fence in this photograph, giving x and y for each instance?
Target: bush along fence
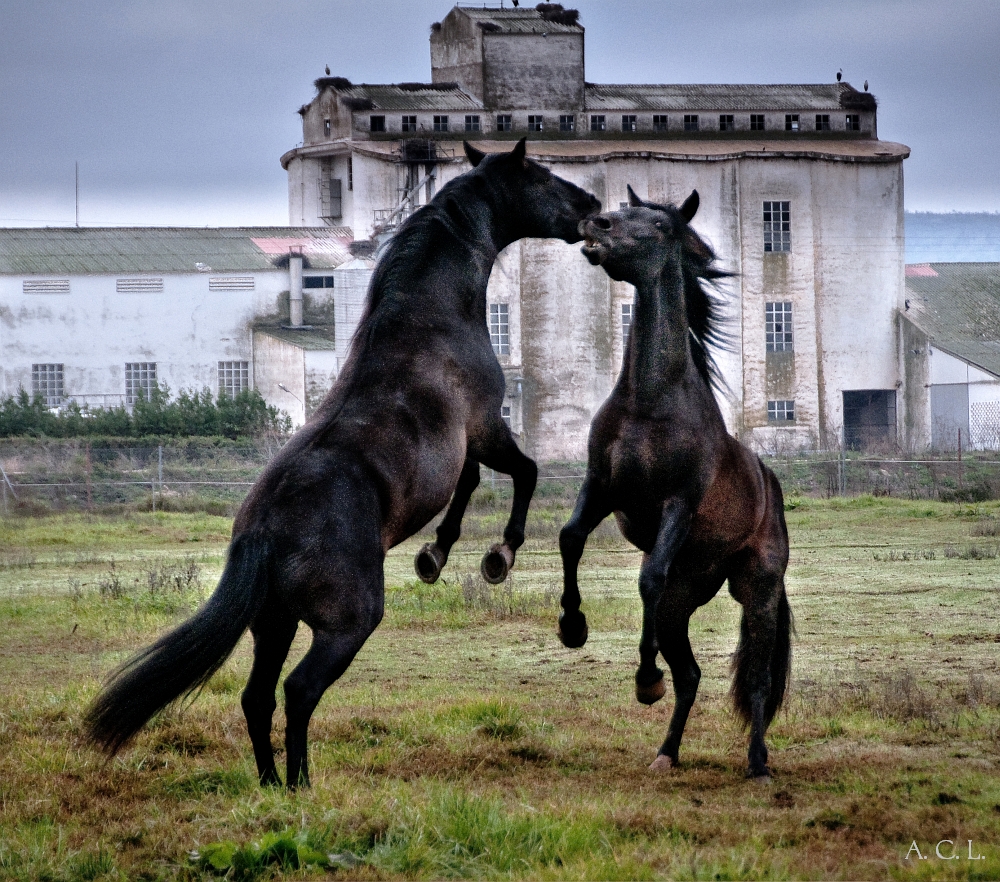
(198, 414)
(214, 474)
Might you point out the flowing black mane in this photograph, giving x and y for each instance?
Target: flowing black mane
(704, 311)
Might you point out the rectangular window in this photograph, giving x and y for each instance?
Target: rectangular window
(791, 122)
(567, 122)
(505, 415)
(140, 380)
(350, 172)
(852, 122)
(690, 122)
(659, 122)
(317, 282)
(230, 283)
(504, 123)
(598, 123)
(756, 122)
(778, 326)
(822, 122)
(376, 124)
(234, 377)
(626, 323)
(534, 123)
(727, 122)
(781, 411)
(472, 122)
(440, 123)
(326, 128)
(45, 286)
(47, 381)
(336, 198)
(408, 123)
(139, 286)
(777, 226)
(628, 122)
(500, 328)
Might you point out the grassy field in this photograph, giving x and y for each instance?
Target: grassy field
(466, 742)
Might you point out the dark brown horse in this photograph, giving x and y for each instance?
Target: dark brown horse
(414, 411)
(701, 507)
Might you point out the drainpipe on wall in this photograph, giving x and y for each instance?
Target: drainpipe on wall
(295, 286)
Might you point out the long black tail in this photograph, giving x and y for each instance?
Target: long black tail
(181, 661)
(745, 664)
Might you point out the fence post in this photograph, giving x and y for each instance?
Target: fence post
(90, 486)
(160, 474)
(959, 459)
(843, 472)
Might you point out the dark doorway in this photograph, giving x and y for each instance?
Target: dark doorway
(869, 419)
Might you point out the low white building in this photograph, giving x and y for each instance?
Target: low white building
(798, 197)
(97, 316)
(950, 342)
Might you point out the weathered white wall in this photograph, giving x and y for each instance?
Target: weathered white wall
(186, 329)
(278, 362)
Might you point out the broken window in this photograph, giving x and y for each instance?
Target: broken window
(567, 122)
(791, 122)
(852, 122)
(472, 122)
(756, 122)
(727, 122)
(628, 122)
(376, 124)
(503, 122)
(777, 226)
(535, 123)
(598, 123)
(440, 123)
(822, 122)
(408, 123)
(659, 122)
(690, 122)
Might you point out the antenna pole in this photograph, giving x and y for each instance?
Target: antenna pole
(77, 164)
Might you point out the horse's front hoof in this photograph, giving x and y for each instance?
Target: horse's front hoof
(429, 562)
(572, 629)
(663, 763)
(497, 563)
(651, 693)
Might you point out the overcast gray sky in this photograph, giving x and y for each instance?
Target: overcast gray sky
(178, 110)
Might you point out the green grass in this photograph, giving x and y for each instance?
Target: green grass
(466, 742)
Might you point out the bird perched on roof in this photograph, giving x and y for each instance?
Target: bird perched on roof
(866, 85)
(515, 3)
(840, 73)
(328, 70)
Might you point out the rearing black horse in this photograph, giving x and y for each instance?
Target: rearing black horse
(415, 409)
(701, 507)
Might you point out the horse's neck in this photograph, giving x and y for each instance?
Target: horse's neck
(658, 353)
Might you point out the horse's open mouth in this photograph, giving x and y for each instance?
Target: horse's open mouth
(593, 251)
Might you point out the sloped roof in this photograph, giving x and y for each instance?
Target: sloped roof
(958, 306)
(717, 96)
(71, 250)
(520, 21)
(405, 96)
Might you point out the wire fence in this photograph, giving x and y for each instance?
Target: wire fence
(216, 476)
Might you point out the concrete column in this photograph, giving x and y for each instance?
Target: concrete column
(295, 288)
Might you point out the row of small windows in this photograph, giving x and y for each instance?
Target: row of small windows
(599, 122)
(47, 380)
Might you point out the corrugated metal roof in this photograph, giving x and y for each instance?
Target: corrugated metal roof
(71, 250)
(519, 21)
(314, 338)
(711, 97)
(412, 96)
(958, 306)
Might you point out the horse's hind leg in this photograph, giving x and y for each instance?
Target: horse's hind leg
(272, 636)
(762, 660)
(430, 560)
(591, 508)
(505, 456)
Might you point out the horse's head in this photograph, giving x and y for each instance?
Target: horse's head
(636, 242)
(542, 204)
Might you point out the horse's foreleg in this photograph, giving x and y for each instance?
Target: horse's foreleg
(505, 456)
(591, 508)
(272, 636)
(674, 523)
(430, 560)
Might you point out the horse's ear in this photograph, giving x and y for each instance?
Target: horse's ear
(690, 206)
(520, 150)
(474, 156)
(633, 200)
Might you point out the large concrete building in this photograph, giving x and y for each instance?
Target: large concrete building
(799, 198)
